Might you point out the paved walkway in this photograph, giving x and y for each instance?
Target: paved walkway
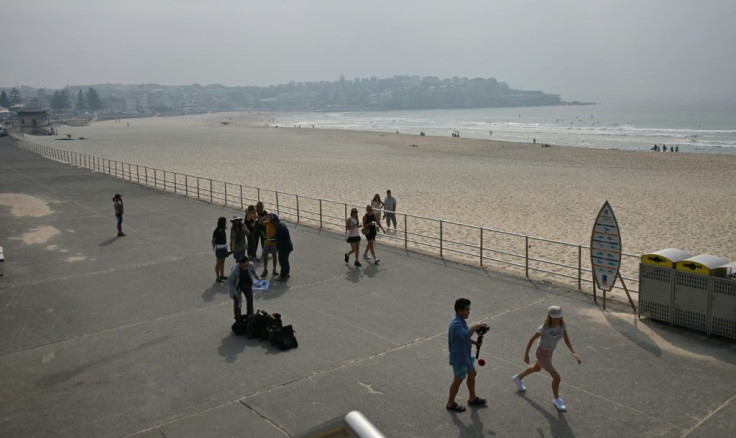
(106, 336)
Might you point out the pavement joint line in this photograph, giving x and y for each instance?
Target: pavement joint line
(707, 417)
(107, 271)
(265, 418)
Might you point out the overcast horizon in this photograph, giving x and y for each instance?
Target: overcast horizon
(585, 51)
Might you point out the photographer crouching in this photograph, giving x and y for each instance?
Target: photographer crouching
(461, 355)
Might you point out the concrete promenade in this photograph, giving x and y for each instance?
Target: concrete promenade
(108, 337)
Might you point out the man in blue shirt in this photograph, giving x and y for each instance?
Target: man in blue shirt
(461, 355)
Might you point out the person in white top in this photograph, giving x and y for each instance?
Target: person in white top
(389, 205)
(550, 332)
(352, 229)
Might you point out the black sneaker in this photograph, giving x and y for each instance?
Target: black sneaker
(264, 273)
(376, 262)
(357, 263)
(347, 259)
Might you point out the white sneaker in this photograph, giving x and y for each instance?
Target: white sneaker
(366, 257)
(519, 383)
(559, 404)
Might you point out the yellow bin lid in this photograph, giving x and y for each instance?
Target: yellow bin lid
(665, 258)
(704, 264)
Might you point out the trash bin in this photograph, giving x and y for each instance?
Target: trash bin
(665, 258)
(692, 297)
(655, 292)
(656, 272)
(723, 301)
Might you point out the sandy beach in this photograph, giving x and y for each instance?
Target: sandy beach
(685, 201)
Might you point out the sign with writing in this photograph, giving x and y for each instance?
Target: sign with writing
(605, 248)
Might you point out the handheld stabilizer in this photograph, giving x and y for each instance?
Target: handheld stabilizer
(482, 330)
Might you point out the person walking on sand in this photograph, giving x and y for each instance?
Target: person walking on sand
(117, 204)
(461, 356)
(219, 246)
(238, 238)
(549, 333)
(352, 229)
(370, 229)
(389, 205)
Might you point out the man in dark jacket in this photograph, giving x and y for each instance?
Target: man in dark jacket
(284, 246)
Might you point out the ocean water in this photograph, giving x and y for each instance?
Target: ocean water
(702, 127)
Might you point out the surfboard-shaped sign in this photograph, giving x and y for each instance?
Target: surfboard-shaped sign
(605, 248)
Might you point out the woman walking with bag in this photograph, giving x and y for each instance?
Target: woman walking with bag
(550, 332)
(370, 229)
(352, 229)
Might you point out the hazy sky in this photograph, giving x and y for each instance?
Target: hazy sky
(581, 49)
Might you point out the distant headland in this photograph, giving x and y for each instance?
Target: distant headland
(360, 94)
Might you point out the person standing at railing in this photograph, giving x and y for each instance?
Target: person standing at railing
(250, 224)
(370, 229)
(117, 203)
(377, 205)
(260, 228)
(352, 229)
(389, 205)
(219, 246)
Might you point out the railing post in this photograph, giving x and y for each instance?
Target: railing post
(481, 247)
(186, 184)
(155, 178)
(526, 256)
(441, 240)
(241, 197)
(320, 214)
(210, 191)
(277, 203)
(225, 193)
(197, 187)
(175, 183)
(258, 194)
(580, 266)
(137, 174)
(297, 209)
(406, 235)
(145, 171)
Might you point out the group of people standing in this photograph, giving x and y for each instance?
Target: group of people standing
(369, 226)
(258, 226)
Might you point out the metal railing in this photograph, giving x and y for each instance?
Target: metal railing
(465, 243)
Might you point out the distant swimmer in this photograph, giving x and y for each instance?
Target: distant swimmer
(490, 132)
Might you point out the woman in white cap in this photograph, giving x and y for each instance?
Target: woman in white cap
(549, 333)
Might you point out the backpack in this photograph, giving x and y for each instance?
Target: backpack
(285, 338)
(240, 327)
(274, 328)
(258, 325)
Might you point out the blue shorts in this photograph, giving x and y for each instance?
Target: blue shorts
(461, 371)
